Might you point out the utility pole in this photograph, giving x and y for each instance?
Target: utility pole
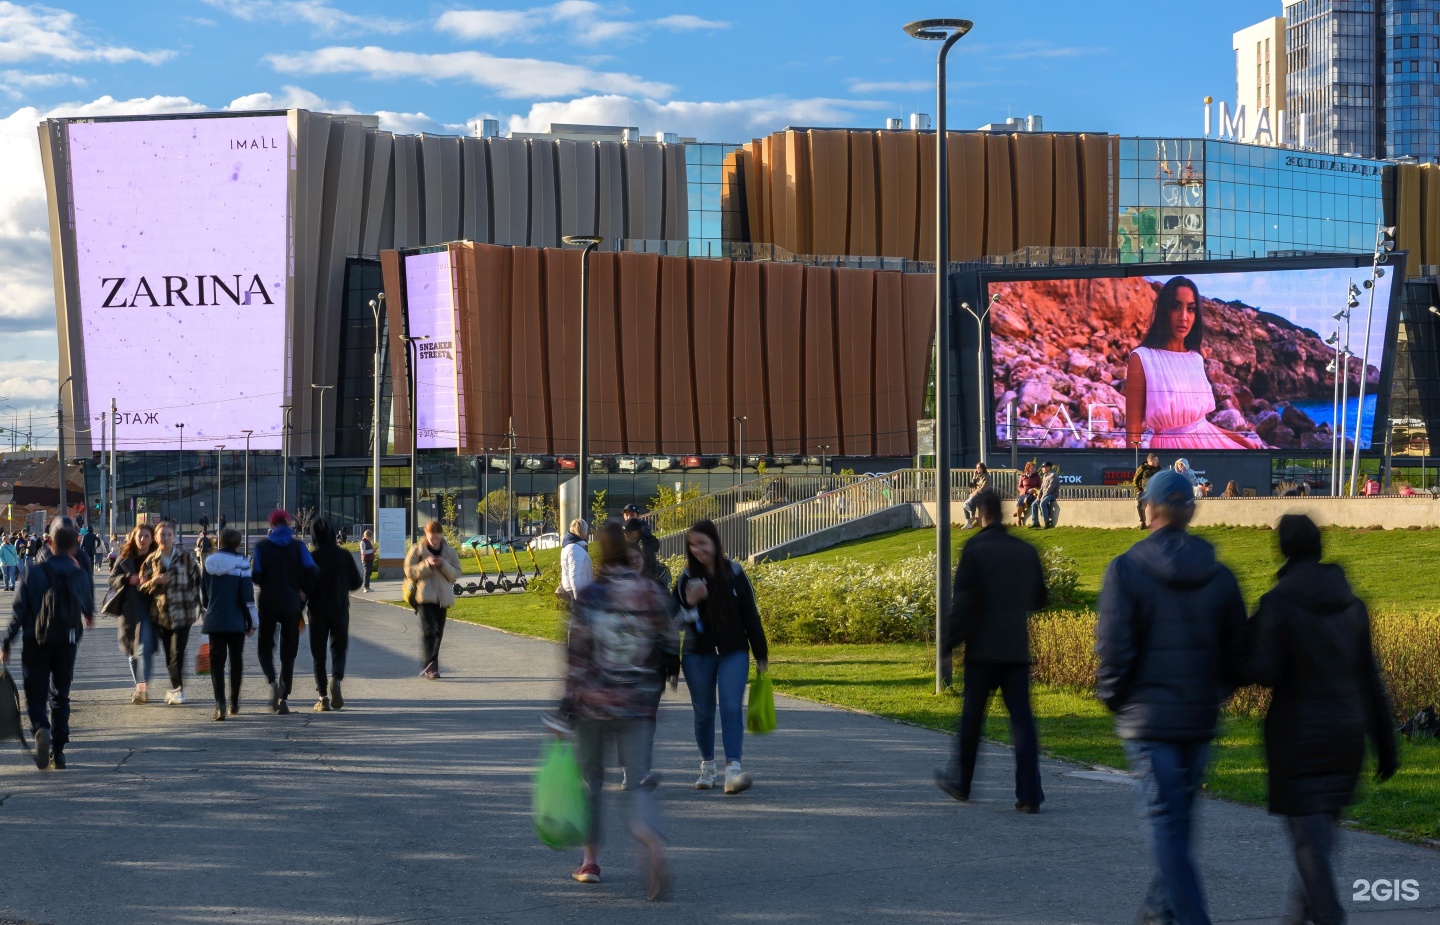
(377, 305)
(247, 434)
(510, 480)
(60, 438)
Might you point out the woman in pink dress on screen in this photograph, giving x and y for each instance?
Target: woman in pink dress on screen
(1166, 389)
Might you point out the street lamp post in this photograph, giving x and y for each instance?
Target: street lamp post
(320, 508)
(510, 479)
(285, 460)
(1334, 341)
(219, 483)
(947, 31)
(60, 435)
(980, 370)
(740, 464)
(412, 361)
(247, 434)
(1384, 244)
(377, 306)
(180, 487)
(582, 468)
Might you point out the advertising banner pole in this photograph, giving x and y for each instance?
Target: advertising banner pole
(114, 479)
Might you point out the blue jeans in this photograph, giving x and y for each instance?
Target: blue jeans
(704, 672)
(1049, 510)
(12, 574)
(1169, 778)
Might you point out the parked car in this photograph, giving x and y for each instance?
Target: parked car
(478, 542)
(546, 541)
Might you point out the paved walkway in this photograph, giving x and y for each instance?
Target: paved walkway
(412, 806)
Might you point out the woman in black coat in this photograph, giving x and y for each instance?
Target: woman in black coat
(1312, 646)
(329, 606)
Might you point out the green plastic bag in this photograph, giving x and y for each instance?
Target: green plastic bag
(560, 805)
(760, 715)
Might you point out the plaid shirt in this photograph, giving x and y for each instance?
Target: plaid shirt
(176, 604)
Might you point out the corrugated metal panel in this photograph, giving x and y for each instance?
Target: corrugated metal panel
(967, 196)
(710, 310)
(864, 237)
(409, 194)
(999, 196)
(510, 190)
(475, 222)
(677, 196)
(611, 206)
(544, 203)
(677, 385)
(443, 190)
(822, 376)
(775, 380)
(638, 288)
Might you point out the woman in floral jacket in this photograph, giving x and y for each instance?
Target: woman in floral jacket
(171, 578)
(622, 648)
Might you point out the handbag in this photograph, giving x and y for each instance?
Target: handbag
(114, 605)
(407, 593)
(12, 724)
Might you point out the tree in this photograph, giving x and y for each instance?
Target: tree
(597, 507)
(494, 508)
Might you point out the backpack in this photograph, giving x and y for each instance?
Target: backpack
(60, 617)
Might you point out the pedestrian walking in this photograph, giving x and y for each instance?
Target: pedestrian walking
(999, 582)
(51, 610)
(638, 535)
(722, 628)
(9, 562)
(431, 567)
(367, 557)
(1170, 644)
(89, 543)
(282, 567)
(1049, 494)
(170, 576)
(1312, 645)
(81, 556)
(204, 545)
(329, 607)
(134, 627)
(1142, 476)
(621, 647)
(228, 593)
(576, 570)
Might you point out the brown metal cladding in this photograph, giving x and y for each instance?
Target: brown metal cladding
(561, 277)
(893, 419)
(830, 162)
(822, 373)
(639, 293)
(780, 192)
(999, 196)
(1410, 222)
(899, 193)
(677, 382)
(749, 381)
(967, 196)
(710, 311)
(1066, 231)
(855, 340)
(798, 215)
(925, 224)
(1430, 226)
(811, 356)
(781, 305)
(864, 237)
(608, 392)
(1034, 188)
(529, 382)
(1097, 166)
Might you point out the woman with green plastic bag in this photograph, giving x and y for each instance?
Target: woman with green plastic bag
(622, 648)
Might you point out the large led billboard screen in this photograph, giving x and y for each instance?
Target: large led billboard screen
(1196, 361)
(430, 308)
(181, 237)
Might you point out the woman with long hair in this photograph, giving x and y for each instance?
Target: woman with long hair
(621, 645)
(136, 631)
(171, 577)
(722, 627)
(329, 606)
(1166, 389)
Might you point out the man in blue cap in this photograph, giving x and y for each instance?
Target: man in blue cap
(1170, 642)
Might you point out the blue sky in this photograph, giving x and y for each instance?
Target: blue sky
(721, 72)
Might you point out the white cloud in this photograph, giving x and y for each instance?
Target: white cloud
(318, 14)
(512, 77)
(495, 25)
(29, 33)
(414, 123)
(583, 21)
(289, 98)
(732, 121)
(890, 86)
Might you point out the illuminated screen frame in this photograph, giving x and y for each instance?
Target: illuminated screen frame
(429, 280)
(975, 288)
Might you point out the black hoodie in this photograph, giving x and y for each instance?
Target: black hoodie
(1312, 645)
(1170, 638)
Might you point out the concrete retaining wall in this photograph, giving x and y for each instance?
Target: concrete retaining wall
(1119, 513)
(899, 517)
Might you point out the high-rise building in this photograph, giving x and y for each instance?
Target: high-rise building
(1365, 75)
(1260, 67)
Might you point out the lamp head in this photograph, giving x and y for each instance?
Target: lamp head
(936, 30)
(583, 240)
(1333, 339)
(1341, 315)
(1434, 310)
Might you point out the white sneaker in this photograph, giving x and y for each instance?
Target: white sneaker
(736, 780)
(706, 781)
(176, 697)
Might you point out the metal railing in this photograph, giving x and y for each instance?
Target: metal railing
(1092, 492)
(779, 527)
(752, 497)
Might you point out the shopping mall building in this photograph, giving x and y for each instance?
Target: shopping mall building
(769, 303)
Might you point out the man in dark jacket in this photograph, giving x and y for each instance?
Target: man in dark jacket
(1143, 472)
(329, 607)
(282, 567)
(998, 584)
(49, 666)
(1170, 643)
(1312, 645)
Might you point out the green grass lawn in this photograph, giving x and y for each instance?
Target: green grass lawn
(1392, 569)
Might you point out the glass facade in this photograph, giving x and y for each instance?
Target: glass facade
(1412, 78)
(1192, 198)
(711, 223)
(355, 392)
(1334, 56)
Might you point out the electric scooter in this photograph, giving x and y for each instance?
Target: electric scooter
(502, 579)
(520, 577)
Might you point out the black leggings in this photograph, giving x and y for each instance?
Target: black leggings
(227, 647)
(173, 643)
(334, 629)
